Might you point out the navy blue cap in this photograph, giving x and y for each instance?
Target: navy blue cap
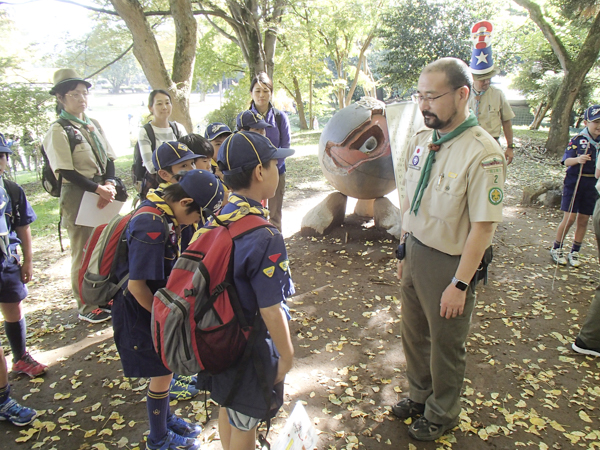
(246, 149)
(205, 188)
(171, 153)
(216, 129)
(4, 148)
(251, 119)
(592, 113)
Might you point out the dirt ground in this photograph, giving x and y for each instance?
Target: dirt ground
(524, 387)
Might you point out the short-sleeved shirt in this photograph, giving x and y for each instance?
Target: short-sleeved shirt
(578, 145)
(262, 279)
(466, 185)
(280, 137)
(493, 109)
(161, 135)
(24, 216)
(82, 160)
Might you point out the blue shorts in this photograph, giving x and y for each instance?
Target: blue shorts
(12, 289)
(585, 199)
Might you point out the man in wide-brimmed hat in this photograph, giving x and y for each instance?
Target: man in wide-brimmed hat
(487, 102)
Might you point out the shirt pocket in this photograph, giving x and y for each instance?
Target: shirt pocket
(449, 196)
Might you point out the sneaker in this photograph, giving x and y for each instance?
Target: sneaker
(406, 408)
(179, 426)
(573, 258)
(558, 256)
(16, 414)
(173, 441)
(424, 430)
(29, 366)
(106, 308)
(580, 347)
(96, 316)
(182, 391)
(188, 379)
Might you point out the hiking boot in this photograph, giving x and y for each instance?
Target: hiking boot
(558, 256)
(179, 426)
(96, 316)
(173, 441)
(187, 379)
(16, 414)
(573, 258)
(182, 391)
(406, 408)
(424, 430)
(580, 347)
(107, 308)
(29, 366)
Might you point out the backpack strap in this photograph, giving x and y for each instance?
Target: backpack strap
(278, 119)
(246, 225)
(14, 193)
(151, 136)
(175, 129)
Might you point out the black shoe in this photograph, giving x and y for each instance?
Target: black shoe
(96, 316)
(580, 347)
(424, 430)
(406, 408)
(107, 308)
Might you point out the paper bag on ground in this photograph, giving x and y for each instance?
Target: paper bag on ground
(298, 432)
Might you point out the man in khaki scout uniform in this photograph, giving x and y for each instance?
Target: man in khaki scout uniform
(454, 184)
(487, 102)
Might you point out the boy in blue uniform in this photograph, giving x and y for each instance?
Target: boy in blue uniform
(9, 408)
(580, 158)
(200, 147)
(262, 278)
(14, 274)
(252, 121)
(153, 248)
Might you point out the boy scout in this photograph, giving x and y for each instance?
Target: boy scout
(449, 216)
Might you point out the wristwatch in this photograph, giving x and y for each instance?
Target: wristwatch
(459, 284)
(511, 146)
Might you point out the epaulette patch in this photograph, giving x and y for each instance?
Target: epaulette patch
(492, 161)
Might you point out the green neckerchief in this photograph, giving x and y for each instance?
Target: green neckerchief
(436, 142)
(89, 126)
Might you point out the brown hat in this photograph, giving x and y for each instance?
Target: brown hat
(64, 76)
(484, 76)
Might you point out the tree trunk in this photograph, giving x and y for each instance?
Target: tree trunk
(299, 104)
(558, 136)
(540, 114)
(310, 102)
(147, 52)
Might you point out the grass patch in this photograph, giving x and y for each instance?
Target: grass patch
(525, 133)
(305, 138)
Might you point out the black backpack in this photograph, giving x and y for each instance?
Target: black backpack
(14, 193)
(51, 184)
(142, 180)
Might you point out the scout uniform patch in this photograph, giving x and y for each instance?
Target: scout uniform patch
(495, 196)
(491, 162)
(416, 158)
(284, 265)
(269, 271)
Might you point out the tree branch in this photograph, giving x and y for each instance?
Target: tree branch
(222, 31)
(110, 63)
(535, 12)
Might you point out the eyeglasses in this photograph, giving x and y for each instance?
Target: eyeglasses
(78, 96)
(420, 99)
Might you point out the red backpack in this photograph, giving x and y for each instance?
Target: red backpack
(197, 320)
(101, 254)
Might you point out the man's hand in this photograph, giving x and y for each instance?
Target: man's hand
(26, 271)
(453, 302)
(509, 154)
(107, 195)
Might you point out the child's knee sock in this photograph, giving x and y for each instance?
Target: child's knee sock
(158, 411)
(15, 333)
(4, 393)
(576, 246)
(557, 245)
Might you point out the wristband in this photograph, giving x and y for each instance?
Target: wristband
(511, 146)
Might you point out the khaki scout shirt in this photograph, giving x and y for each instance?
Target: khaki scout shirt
(466, 185)
(493, 110)
(56, 145)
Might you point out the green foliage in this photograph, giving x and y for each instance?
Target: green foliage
(24, 106)
(236, 101)
(418, 32)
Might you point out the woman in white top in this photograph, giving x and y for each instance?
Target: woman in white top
(159, 104)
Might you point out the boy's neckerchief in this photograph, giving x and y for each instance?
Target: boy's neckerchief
(243, 209)
(89, 126)
(156, 197)
(436, 142)
(593, 142)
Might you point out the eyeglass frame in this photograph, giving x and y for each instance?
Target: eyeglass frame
(416, 98)
(78, 95)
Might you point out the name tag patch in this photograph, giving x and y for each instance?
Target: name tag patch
(492, 161)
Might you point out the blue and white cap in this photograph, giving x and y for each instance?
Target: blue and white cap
(482, 61)
(592, 113)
